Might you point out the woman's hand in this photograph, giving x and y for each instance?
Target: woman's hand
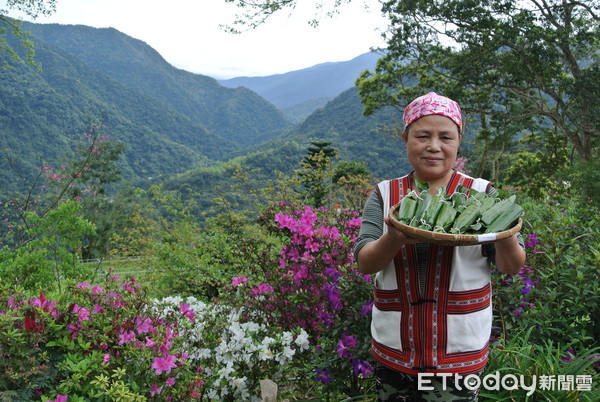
(510, 256)
(376, 255)
(396, 234)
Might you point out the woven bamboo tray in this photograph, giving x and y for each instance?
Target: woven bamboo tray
(449, 239)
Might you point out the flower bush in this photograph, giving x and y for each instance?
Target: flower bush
(101, 343)
(110, 343)
(235, 355)
(557, 293)
(314, 284)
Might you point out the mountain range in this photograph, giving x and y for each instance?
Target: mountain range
(298, 93)
(178, 127)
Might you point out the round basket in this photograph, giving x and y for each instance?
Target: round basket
(449, 239)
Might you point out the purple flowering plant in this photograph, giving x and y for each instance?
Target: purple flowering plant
(556, 293)
(313, 283)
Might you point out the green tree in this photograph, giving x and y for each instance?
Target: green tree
(316, 171)
(516, 66)
(32, 8)
(352, 180)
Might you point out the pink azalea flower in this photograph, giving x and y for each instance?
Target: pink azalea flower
(185, 310)
(97, 289)
(285, 222)
(261, 289)
(82, 313)
(164, 364)
(126, 337)
(149, 342)
(238, 280)
(106, 358)
(97, 309)
(155, 389)
(170, 381)
(143, 325)
(164, 348)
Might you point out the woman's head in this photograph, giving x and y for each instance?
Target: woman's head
(432, 136)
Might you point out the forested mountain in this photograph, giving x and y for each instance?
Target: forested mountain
(356, 137)
(298, 93)
(178, 127)
(169, 120)
(237, 114)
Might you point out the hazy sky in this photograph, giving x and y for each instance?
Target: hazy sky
(187, 34)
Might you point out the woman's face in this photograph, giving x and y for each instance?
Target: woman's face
(432, 147)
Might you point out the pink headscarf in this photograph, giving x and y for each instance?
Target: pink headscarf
(433, 103)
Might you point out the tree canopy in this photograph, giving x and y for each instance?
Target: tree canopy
(32, 8)
(519, 66)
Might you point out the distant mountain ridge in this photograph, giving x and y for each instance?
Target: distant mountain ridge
(300, 92)
(179, 128)
(236, 114)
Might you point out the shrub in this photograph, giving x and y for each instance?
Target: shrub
(313, 284)
(557, 293)
(100, 343)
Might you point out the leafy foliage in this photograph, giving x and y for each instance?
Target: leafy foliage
(556, 293)
(515, 67)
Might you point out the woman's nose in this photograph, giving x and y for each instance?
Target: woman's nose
(433, 145)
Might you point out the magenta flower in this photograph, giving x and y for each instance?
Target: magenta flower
(164, 348)
(367, 309)
(126, 337)
(189, 314)
(97, 309)
(323, 376)
(149, 342)
(82, 313)
(143, 325)
(261, 289)
(532, 241)
(154, 389)
(106, 358)
(362, 369)
(170, 381)
(164, 364)
(285, 222)
(238, 280)
(346, 345)
(97, 290)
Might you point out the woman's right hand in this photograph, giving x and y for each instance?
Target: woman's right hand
(397, 235)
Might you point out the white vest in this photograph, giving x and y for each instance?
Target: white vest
(447, 329)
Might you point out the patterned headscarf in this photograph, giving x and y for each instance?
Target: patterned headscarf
(433, 103)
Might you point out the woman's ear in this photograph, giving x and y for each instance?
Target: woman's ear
(404, 135)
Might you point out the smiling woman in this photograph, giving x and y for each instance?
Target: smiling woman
(432, 311)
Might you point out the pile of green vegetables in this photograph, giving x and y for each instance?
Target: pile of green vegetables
(467, 211)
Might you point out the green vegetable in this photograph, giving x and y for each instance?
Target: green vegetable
(458, 213)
